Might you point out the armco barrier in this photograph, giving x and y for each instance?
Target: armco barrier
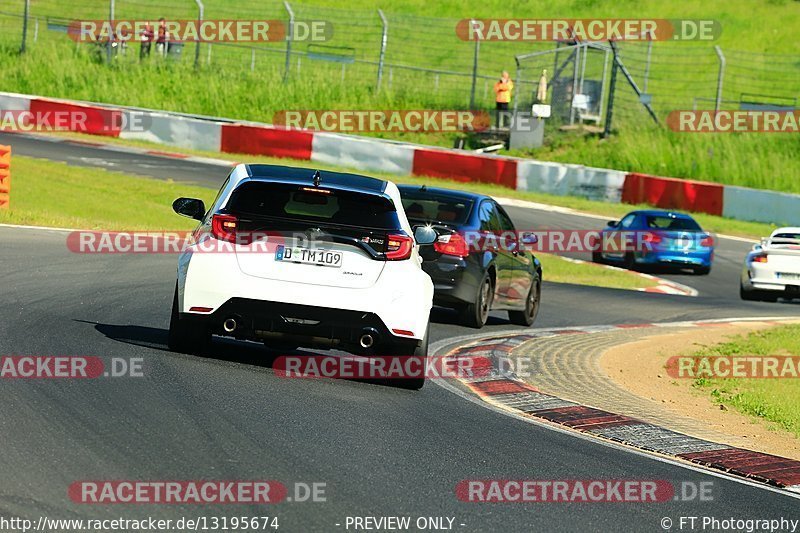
(98, 121)
(363, 153)
(761, 206)
(673, 193)
(5, 177)
(570, 180)
(15, 102)
(172, 130)
(465, 167)
(266, 140)
(403, 159)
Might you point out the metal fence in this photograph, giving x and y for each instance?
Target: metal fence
(422, 60)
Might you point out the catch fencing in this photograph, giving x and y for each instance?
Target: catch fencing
(422, 62)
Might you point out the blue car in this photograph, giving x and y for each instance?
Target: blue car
(653, 238)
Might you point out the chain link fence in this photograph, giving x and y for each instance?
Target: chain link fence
(422, 60)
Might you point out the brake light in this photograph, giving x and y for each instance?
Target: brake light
(760, 258)
(708, 241)
(398, 247)
(223, 227)
(452, 244)
(652, 238)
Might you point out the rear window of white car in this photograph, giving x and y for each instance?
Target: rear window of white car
(786, 238)
(313, 204)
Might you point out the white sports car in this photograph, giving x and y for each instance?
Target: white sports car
(295, 257)
(772, 268)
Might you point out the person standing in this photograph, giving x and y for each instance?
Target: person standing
(146, 36)
(162, 40)
(502, 97)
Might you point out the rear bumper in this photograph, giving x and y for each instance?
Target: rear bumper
(756, 276)
(455, 281)
(401, 299)
(674, 258)
(297, 324)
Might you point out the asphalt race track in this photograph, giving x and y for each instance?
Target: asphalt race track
(379, 450)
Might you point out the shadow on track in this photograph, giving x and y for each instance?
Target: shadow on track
(221, 349)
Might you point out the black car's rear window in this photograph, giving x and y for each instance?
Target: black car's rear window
(313, 204)
(423, 206)
(671, 224)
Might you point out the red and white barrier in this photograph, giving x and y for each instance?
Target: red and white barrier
(570, 180)
(172, 130)
(757, 205)
(463, 166)
(673, 193)
(392, 157)
(266, 140)
(363, 153)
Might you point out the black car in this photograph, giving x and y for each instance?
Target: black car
(480, 262)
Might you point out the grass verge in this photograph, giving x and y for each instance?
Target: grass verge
(774, 400)
(46, 193)
(715, 224)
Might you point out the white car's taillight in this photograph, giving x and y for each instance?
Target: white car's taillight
(223, 227)
(399, 247)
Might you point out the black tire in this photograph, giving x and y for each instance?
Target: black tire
(421, 353)
(749, 296)
(629, 262)
(597, 257)
(756, 295)
(475, 314)
(528, 316)
(186, 336)
(701, 271)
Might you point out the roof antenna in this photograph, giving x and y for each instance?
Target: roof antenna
(317, 178)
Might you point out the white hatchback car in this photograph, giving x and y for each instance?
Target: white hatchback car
(301, 258)
(772, 268)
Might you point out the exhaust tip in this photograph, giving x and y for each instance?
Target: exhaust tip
(229, 325)
(369, 336)
(366, 341)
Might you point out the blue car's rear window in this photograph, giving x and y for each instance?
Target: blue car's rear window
(671, 223)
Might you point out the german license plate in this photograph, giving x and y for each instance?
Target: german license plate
(307, 256)
(788, 275)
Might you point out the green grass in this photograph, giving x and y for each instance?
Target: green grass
(227, 87)
(715, 224)
(774, 400)
(558, 269)
(46, 193)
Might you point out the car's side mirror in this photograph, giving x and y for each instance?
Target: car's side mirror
(528, 239)
(613, 223)
(189, 207)
(425, 235)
